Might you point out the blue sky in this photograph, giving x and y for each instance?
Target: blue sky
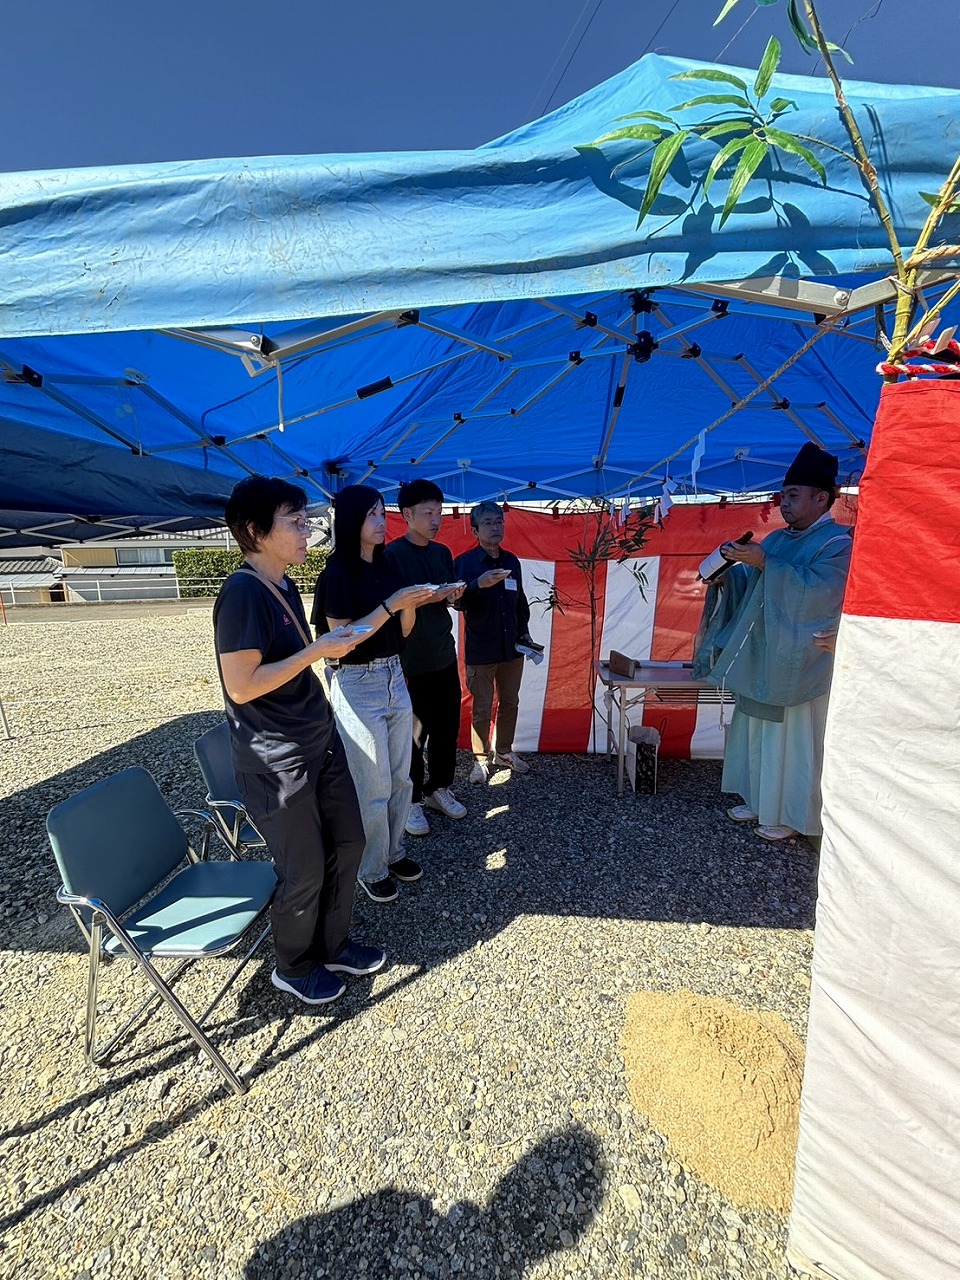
(89, 82)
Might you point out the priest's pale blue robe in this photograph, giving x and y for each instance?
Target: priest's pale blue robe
(757, 641)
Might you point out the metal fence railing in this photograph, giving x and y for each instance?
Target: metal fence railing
(105, 591)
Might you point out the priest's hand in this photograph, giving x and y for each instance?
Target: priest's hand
(748, 553)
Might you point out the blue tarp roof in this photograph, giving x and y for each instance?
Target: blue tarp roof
(513, 292)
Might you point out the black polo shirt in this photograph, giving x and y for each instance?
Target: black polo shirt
(497, 616)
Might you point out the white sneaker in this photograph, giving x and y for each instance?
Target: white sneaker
(510, 760)
(417, 824)
(480, 772)
(445, 802)
(742, 813)
(776, 833)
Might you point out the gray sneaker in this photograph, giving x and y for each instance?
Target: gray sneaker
(445, 802)
(417, 824)
(480, 773)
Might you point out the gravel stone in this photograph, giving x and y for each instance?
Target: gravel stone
(462, 1113)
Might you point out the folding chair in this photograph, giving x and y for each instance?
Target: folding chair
(231, 820)
(117, 844)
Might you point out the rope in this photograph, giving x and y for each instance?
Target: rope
(888, 368)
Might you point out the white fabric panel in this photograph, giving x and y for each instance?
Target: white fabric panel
(533, 689)
(878, 1167)
(709, 736)
(628, 620)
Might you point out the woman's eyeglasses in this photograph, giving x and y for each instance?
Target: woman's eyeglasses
(298, 523)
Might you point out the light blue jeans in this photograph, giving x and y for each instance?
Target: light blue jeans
(375, 719)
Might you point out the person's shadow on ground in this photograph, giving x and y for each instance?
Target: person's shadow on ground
(543, 1204)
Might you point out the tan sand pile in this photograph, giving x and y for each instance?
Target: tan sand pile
(723, 1086)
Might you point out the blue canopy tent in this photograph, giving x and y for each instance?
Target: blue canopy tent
(491, 319)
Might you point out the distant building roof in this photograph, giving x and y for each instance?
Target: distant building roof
(28, 564)
(28, 581)
(68, 573)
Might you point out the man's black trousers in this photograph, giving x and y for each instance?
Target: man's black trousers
(310, 819)
(436, 705)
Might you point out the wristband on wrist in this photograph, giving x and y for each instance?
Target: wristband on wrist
(387, 609)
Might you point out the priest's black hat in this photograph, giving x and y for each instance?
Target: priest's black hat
(814, 467)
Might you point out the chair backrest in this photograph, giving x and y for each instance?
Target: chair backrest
(215, 759)
(116, 840)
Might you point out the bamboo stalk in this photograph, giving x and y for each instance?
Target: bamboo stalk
(865, 164)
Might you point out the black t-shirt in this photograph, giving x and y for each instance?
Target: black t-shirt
(352, 590)
(429, 646)
(293, 724)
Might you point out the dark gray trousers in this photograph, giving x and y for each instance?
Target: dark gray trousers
(310, 819)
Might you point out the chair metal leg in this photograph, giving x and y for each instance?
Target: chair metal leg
(230, 1076)
(151, 1002)
(163, 991)
(93, 974)
(233, 977)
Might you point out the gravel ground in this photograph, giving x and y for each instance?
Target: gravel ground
(465, 1111)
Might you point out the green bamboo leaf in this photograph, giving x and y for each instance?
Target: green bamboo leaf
(728, 126)
(721, 158)
(729, 99)
(768, 65)
(836, 48)
(934, 200)
(724, 11)
(644, 115)
(753, 154)
(799, 28)
(663, 158)
(711, 73)
(639, 132)
(781, 104)
(787, 142)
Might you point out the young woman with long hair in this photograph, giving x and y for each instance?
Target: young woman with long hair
(368, 691)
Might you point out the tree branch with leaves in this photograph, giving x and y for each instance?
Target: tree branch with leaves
(748, 126)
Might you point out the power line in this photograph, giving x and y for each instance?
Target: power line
(735, 35)
(864, 17)
(534, 113)
(663, 23)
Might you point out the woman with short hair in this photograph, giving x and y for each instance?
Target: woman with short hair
(289, 761)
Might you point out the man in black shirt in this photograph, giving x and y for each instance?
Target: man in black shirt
(290, 764)
(429, 657)
(497, 617)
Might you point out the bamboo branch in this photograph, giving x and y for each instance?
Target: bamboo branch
(828, 146)
(864, 163)
(934, 313)
(947, 196)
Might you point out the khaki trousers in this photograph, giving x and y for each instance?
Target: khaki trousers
(500, 679)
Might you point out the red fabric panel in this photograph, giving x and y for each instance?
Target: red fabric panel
(678, 607)
(687, 530)
(676, 726)
(568, 706)
(466, 702)
(906, 552)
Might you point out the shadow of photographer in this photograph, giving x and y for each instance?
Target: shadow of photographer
(543, 1204)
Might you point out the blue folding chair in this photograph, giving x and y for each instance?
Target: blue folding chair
(118, 846)
(230, 819)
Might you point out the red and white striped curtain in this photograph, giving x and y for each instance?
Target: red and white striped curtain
(559, 705)
(877, 1192)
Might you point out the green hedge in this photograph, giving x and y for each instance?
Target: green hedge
(207, 567)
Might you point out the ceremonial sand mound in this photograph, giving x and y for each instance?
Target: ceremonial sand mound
(723, 1086)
